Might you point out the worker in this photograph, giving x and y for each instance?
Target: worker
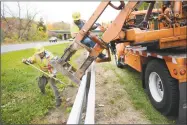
(77, 25)
(43, 57)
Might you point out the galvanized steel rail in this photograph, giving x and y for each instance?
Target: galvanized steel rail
(85, 99)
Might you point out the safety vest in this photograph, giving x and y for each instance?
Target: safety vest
(43, 63)
(74, 29)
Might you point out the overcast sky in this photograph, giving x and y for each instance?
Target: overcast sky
(61, 11)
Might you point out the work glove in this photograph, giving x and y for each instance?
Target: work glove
(56, 58)
(51, 75)
(25, 61)
(97, 24)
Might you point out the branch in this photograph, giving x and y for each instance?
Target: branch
(10, 12)
(28, 23)
(20, 22)
(6, 21)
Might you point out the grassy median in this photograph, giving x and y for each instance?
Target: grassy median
(21, 100)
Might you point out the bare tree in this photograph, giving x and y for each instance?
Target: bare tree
(20, 21)
(30, 19)
(3, 9)
(21, 26)
(9, 11)
(3, 18)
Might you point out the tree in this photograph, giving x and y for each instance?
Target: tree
(30, 19)
(15, 27)
(49, 26)
(143, 6)
(59, 36)
(7, 27)
(61, 26)
(41, 26)
(20, 21)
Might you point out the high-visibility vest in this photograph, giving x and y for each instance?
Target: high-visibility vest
(74, 29)
(43, 63)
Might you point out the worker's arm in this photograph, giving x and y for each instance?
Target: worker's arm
(31, 60)
(49, 57)
(94, 26)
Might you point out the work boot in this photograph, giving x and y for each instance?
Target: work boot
(58, 102)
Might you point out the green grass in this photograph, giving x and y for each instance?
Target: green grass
(131, 81)
(21, 100)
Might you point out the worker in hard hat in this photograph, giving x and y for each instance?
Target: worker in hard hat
(43, 57)
(76, 26)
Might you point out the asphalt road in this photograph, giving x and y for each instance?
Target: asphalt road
(15, 47)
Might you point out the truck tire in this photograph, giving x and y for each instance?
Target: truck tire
(161, 88)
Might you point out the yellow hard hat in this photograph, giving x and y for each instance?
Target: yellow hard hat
(39, 49)
(76, 15)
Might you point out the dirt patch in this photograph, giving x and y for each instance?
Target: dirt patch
(59, 115)
(112, 102)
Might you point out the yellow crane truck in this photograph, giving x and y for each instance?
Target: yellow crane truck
(151, 41)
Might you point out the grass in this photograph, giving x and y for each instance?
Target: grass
(131, 81)
(21, 100)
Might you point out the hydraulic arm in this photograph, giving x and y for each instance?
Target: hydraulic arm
(173, 34)
(63, 66)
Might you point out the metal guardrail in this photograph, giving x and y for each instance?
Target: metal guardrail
(85, 99)
(90, 111)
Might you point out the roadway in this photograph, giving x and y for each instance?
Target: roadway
(15, 47)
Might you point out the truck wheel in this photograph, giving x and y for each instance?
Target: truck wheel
(118, 63)
(161, 88)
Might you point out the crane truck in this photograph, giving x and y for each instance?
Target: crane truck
(151, 41)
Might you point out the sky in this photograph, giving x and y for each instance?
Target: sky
(61, 11)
